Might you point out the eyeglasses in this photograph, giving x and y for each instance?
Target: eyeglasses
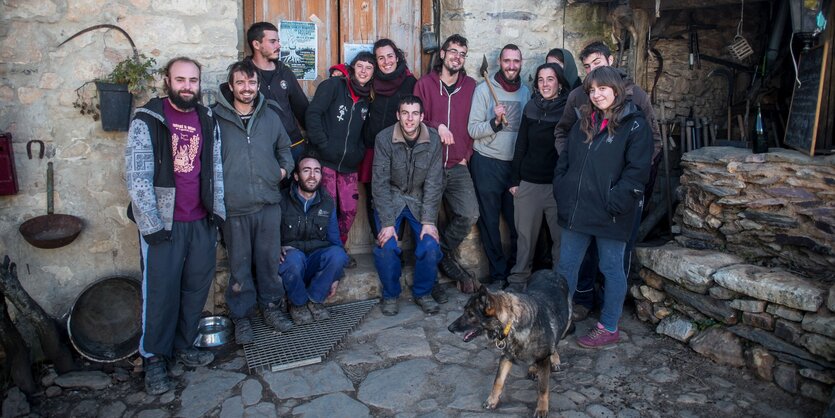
(456, 53)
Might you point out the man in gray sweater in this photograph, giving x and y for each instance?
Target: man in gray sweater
(256, 157)
(493, 127)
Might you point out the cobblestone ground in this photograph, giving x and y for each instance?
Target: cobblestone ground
(411, 366)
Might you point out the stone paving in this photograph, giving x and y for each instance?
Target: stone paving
(409, 365)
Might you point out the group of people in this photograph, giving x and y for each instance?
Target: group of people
(278, 176)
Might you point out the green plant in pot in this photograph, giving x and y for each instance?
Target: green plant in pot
(131, 76)
(113, 100)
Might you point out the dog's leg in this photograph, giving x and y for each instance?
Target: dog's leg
(498, 385)
(555, 362)
(544, 367)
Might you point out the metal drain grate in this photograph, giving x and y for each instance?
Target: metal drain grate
(303, 344)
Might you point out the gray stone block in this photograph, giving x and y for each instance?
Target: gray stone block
(677, 327)
(687, 267)
(788, 331)
(785, 376)
(784, 312)
(720, 345)
(719, 292)
(820, 345)
(821, 323)
(759, 320)
(761, 362)
(775, 286)
(748, 305)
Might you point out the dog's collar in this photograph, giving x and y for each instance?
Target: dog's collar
(500, 340)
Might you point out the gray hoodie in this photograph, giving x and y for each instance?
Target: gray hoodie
(486, 141)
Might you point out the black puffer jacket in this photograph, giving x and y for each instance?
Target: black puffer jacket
(334, 125)
(305, 230)
(598, 185)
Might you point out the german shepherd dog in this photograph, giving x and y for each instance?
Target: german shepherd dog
(526, 328)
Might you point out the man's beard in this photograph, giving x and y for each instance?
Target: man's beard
(182, 103)
(303, 186)
(453, 71)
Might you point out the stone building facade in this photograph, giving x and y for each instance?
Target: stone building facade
(37, 92)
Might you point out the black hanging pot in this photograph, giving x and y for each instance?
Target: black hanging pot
(52, 230)
(115, 101)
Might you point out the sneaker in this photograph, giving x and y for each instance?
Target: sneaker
(598, 337)
(156, 376)
(300, 314)
(243, 331)
(389, 307)
(274, 317)
(192, 357)
(428, 304)
(319, 311)
(439, 294)
(352, 262)
(579, 313)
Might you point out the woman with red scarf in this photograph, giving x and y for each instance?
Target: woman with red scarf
(392, 80)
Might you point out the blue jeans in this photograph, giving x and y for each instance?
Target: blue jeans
(387, 260)
(309, 277)
(611, 253)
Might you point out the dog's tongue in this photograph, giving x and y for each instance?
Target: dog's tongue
(469, 335)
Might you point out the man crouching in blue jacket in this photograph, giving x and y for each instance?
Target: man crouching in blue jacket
(256, 157)
(312, 256)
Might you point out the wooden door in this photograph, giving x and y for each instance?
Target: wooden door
(356, 22)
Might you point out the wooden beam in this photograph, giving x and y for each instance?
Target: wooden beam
(686, 4)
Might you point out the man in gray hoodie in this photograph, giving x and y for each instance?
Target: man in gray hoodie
(256, 157)
(493, 127)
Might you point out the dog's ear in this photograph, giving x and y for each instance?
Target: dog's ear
(489, 302)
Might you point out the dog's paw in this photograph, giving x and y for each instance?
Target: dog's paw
(540, 413)
(488, 404)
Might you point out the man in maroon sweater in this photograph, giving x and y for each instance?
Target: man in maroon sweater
(447, 94)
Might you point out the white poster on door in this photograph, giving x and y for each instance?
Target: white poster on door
(299, 46)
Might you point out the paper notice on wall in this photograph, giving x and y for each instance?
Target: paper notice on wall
(299, 45)
(349, 51)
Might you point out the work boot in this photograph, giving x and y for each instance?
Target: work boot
(450, 268)
(319, 311)
(274, 317)
(193, 357)
(300, 314)
(156, 376)
(516, 287)
(579, 312)
(428, 304)
(439, 294)
(243, 331)
(389, 307)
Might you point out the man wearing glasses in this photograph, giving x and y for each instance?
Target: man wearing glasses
(447, 93)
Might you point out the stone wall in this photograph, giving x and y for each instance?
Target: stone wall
(535, 27)
(681, 88)
(778, 324)
(773, 209)
(36, 102)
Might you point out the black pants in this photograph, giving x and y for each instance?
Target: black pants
(491, 180)
(176, 278)
(253, 243)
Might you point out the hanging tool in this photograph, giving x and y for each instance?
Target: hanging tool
(666, 156)
(730, 79)
(486, 75)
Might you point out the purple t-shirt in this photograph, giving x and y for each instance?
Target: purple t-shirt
(186, 144)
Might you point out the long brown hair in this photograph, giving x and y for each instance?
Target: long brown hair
(609, 77)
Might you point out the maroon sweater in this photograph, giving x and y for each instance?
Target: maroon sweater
(452, 110)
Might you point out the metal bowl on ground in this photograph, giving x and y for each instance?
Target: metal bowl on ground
(213, 331)
(105, 323)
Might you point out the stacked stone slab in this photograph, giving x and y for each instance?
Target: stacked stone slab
(778, 324)
(774, 209)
